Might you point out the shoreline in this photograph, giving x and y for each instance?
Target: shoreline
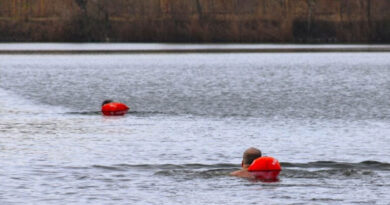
(155, 48)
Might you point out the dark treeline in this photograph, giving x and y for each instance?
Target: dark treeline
(293, 21)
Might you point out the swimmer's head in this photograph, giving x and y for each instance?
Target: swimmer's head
(250, 155)
(106, 102)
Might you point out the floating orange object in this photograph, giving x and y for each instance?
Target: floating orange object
(265, 168)
(114, 109)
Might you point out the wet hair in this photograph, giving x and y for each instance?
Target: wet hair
(106, 102)
(250, 155)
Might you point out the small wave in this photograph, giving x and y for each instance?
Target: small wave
(190, 174)
(112, 168)
(327, 173)
(311, 170)
(318, 165)
(85, 113)
(124, 167)
(331, 169)
(178, 166)
(12, 103)
(136, 113)
(371, 165)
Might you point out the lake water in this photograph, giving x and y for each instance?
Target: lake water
(324, 116)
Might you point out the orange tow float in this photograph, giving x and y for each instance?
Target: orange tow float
(265, 168)
(110, 108)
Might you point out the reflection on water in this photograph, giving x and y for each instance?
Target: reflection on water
(323, 116)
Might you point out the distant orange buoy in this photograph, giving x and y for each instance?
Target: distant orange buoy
(114, 109)
(265, 168)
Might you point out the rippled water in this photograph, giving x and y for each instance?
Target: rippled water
(325, 116)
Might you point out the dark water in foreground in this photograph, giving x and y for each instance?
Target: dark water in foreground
(325, 116)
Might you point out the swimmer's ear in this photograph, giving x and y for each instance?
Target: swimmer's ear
(242, 164)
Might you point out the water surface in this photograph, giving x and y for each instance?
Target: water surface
(325, 116)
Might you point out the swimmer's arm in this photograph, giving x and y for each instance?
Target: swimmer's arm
(235, 173)
(242, 174)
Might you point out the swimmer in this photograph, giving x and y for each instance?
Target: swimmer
(248, 157)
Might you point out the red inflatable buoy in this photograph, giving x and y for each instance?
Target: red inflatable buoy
(114, 109)
(265, 168)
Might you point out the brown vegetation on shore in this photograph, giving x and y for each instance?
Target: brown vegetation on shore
(294, 21)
